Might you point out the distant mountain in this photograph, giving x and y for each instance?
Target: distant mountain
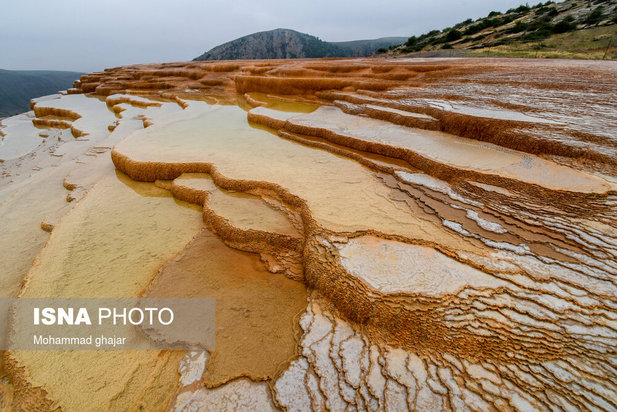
(17, 87)
(290, 44)
(363, 48)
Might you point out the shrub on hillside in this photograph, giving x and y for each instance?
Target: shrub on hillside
(473, 29)
(507, 19)
(565, 25)
(486, 23)
(453, 35)
(541, 23)
(463, 23)
(501, 42)
(518, 27)
(429, 34)
(539, 34)
(595, 17)
(549, 11)
(520, 9)
(437, 40)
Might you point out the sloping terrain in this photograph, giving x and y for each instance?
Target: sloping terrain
(290, 44)
(572, 28)
(18, 87)
(380, 234)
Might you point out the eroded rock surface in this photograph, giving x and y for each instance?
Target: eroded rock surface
(380, 234)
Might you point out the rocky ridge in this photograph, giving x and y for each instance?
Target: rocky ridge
(290, 44)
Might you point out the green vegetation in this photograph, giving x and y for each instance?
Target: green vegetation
(486, 23)
(565, 25)
(453, 35)
(520, 9)
(519, 26)
(591, 43)
(18, 87)
(596, 16)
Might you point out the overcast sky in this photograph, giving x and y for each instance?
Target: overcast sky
(89, 35)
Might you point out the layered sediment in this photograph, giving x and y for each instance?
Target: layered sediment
(378, 234)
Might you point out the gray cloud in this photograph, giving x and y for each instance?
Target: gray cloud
(86, 35)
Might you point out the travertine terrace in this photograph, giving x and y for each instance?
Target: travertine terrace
(379, 234)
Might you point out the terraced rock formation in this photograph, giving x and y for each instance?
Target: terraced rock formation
(379, 234)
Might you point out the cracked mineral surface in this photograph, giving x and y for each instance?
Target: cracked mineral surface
(379, 235)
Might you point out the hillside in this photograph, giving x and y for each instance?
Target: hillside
(18, 87)
(290, 44)
(572, 28)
